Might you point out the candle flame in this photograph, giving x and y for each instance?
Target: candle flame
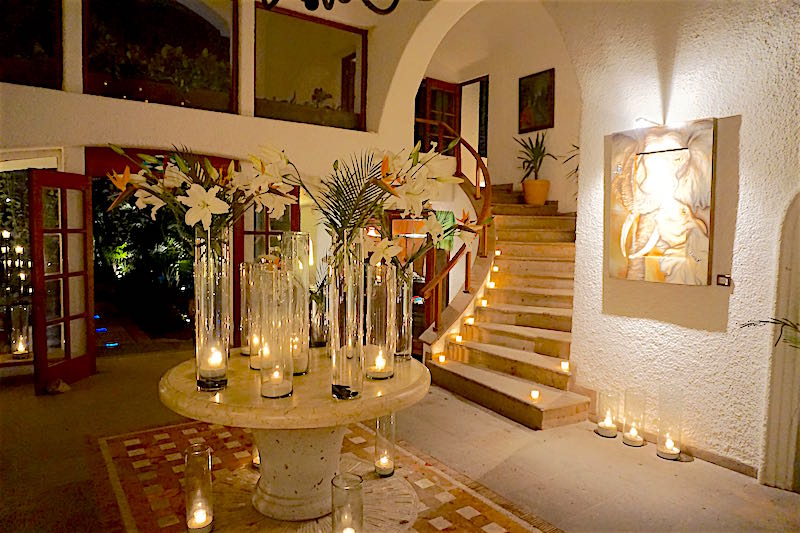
(254, 340)
(669, 444)
(607, 420)
(633, 432)
(21, 344)
(384, 460)
(470, 320)
(441, 358)
(200, 516)
(380, 361)
(535, 394)
(215, 359)
(565, 366)
(276, 374)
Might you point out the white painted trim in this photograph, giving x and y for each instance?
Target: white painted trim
(24, 158)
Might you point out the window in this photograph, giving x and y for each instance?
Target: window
(171, 52)
(310, 70)
(30, 42)
(437, 101)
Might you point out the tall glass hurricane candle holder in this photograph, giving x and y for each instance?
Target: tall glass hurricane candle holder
(197, 489)
(346, 317)
(607, 414)
(247, 285)
(20, 338)
(634, 418)
(255, 316)
(347, 502)
(212, 319)
(276, 327)
(296, 258)
(670, 407)
(381, 334)
(384, 445)
(404, 312)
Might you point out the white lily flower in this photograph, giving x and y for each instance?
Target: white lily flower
(173, 177)
(275, 204)
(140, 178)
(202, 205)
(385, 249)
(144, 198)
(433, 227)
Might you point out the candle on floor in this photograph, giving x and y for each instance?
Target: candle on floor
(495, 268)
(491, 285)
(484, 302)
(470, 320)
(634, 417)
(458, 338)
(606, 426)
(497, 253)
(565, 366)
(632, 437)
(535, 395)
(607, 413)
(441, 359)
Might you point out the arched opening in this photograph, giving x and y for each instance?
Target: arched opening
(781, 466)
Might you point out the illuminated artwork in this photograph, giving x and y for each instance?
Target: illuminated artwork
(661, 203)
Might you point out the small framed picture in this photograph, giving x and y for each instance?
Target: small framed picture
(537, 96)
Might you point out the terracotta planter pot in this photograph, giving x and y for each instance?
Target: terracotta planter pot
(535, 191)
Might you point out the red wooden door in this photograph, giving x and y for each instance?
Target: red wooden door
(63, 282)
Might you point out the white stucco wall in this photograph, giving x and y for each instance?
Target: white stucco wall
(510, 39)
(681, 61)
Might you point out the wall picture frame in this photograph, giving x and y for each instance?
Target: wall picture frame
(537, 96)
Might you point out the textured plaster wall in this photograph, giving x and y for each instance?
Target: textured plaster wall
(680, 61)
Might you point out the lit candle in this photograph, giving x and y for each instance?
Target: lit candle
(213, 364)
(491, 285)
(458, 338)
(535, 395)
(256, 461)
(495, 268)
(565, 366)
(484, 302)
(19, 249)
(254, 342)
(606, 427)
(215, 359)
(497, 253)
(384, 466)
(200, 519)
(669, 450)
(470, 320)
(348, 530)
(21, 345)
(441, 358)
(380, 370)
(632, 437)
(276, 377)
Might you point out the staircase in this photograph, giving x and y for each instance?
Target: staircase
(519, 340)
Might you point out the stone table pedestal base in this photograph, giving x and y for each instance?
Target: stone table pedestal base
(297, 466)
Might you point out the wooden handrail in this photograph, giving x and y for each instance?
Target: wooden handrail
(435, 284)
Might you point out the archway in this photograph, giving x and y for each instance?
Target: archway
(781, 465)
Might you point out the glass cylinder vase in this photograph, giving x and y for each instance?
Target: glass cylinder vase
(249, 299)
(347, 502)
(633, 429)
(404, 313)
(296, 258)
(607, 414)
(381, 334)
(384, 445)
(197, 489)
(670, 406)
(20, 338)
(346, 316)
(275, 331)
(212, 265)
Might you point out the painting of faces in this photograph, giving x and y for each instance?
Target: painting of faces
(661, 200)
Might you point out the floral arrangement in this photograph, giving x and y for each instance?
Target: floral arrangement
(201, 195)
(358, 193)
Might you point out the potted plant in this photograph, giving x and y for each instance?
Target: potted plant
(532, 155)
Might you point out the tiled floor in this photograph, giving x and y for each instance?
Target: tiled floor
(148, 467)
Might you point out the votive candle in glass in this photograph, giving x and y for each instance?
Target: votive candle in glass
(384, 445)
(276, 356)
(197, 489)
(670, 406)
(381, 333)
(347, 502)
(633, 428)
(295, 255)
(607, 414)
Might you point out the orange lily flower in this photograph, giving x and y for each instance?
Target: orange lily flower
(464, 217)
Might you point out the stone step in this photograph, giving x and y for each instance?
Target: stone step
(511, 396)
(499, 208)
(538, 296)
(526, 315)
(564, 223)
(560, 250)
(543, 266)
(543, 341)
(550, 281)
(535, 235)
(508, 197)
(527, 365)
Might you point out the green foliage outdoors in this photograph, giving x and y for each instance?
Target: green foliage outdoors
(142, 266)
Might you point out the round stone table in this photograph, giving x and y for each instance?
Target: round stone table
(299, 438)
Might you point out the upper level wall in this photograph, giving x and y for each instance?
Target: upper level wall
(508, 40)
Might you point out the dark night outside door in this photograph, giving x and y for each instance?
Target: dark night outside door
(63, 281)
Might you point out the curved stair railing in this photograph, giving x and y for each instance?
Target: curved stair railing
(475, 272)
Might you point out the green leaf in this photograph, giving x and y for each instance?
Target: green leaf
(210, 170)
(117, 149)
(148, 158)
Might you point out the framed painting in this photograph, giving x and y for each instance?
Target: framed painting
(537, 96)
(661, 203)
